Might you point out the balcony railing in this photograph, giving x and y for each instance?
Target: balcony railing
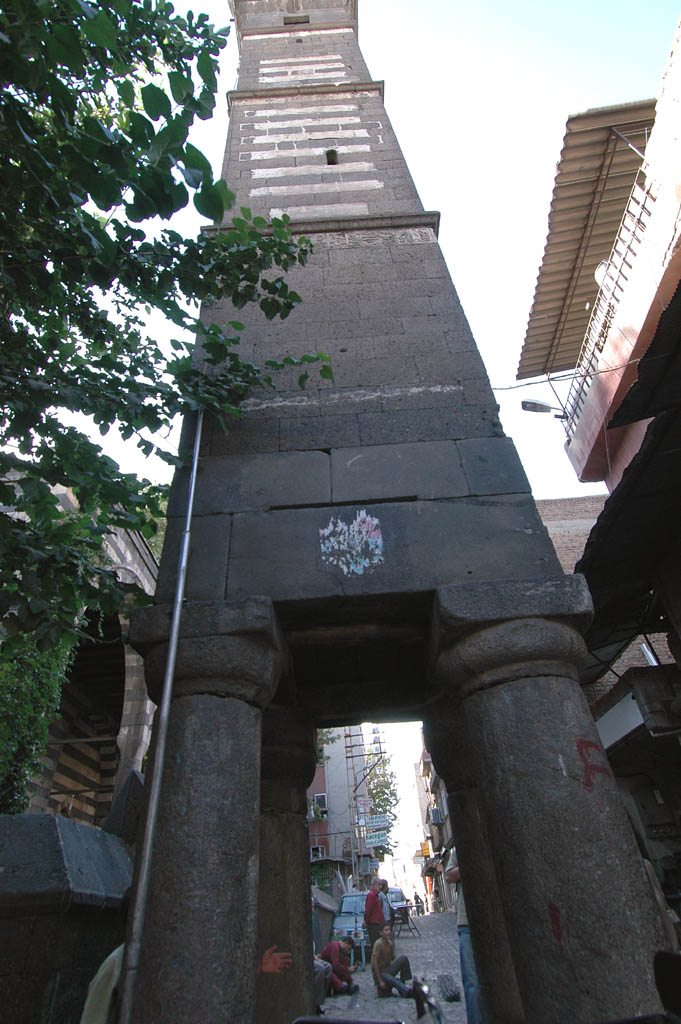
(617, 273)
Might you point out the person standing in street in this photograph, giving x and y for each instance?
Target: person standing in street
(374, 918)
(469, 973)
(388, 913)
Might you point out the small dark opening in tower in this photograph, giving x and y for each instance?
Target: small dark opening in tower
(332, 156)
(298, 19)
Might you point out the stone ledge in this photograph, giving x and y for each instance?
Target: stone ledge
(460, 610)
(367, 222)
(50, 863)
(235, 95)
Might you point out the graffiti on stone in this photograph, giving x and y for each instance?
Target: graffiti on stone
(354, 548)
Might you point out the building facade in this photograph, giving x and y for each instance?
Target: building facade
(620, 331)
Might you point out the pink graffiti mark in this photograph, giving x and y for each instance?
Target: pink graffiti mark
(554, 914)
(591, 768)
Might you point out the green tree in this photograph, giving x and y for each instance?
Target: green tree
(96, 107)
(382, 791)
(30, 692)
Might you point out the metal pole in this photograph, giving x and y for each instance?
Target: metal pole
(133, 945)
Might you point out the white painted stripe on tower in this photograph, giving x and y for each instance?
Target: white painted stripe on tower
(277, 154)
(331, 76)
(365, 185)
(301, 60)
(303, 122)
(285, 172)
(353, 133)
(308, 32)
(303, 69)
(331, 108)
(322, 211)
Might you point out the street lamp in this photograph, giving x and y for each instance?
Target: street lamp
(531, 406)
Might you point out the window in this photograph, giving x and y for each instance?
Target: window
(317, 852)
(332, 156)
(298, 19)
(320, 802)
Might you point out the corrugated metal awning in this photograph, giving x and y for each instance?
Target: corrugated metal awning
(594, 178)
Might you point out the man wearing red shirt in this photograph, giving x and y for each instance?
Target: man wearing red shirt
(337, 953)
(374, 918)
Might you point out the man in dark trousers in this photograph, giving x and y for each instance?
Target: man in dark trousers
(386, 967)
(374, 918)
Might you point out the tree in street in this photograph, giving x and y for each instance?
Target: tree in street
(382, 791)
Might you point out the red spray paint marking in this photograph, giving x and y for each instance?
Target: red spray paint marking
(591, 768)
(554, 914)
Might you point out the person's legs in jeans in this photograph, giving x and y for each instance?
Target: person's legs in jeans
(469, 977)
(399, 966)
(322, 976)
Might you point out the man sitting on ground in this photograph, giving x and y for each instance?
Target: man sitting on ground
(385, 967)
(337, 953)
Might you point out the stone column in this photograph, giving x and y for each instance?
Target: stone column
(285, 914)
(199, 951)
(580, 917)
(447, 743)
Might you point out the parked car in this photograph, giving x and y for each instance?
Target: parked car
(396, 898)
(350, 920)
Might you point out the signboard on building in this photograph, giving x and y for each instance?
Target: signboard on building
(425, 849)
(377, 838)
(377, 821)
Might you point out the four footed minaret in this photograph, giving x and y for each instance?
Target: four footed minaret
(368, 548)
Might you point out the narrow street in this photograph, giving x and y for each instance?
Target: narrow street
(434, 953)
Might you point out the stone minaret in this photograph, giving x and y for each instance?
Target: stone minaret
(369, 548)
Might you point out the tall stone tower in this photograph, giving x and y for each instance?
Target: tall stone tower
(369, 548)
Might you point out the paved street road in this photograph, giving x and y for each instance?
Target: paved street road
(436, 952)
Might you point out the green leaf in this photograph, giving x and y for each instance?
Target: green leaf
(155, 102)
(193, 157)
(209, 202)
(181, 86)
(326, 372)
(259, 222)
(226, 196)
(141, 130)
(126, 92)
(236, 325)
(246, 213)
(206, 66)
(101, 31)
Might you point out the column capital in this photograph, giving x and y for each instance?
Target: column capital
(498, 631)
(227, 648)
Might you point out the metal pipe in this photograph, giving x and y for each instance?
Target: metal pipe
(134, 942)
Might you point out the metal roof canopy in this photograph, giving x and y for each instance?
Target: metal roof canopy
(594, 178)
